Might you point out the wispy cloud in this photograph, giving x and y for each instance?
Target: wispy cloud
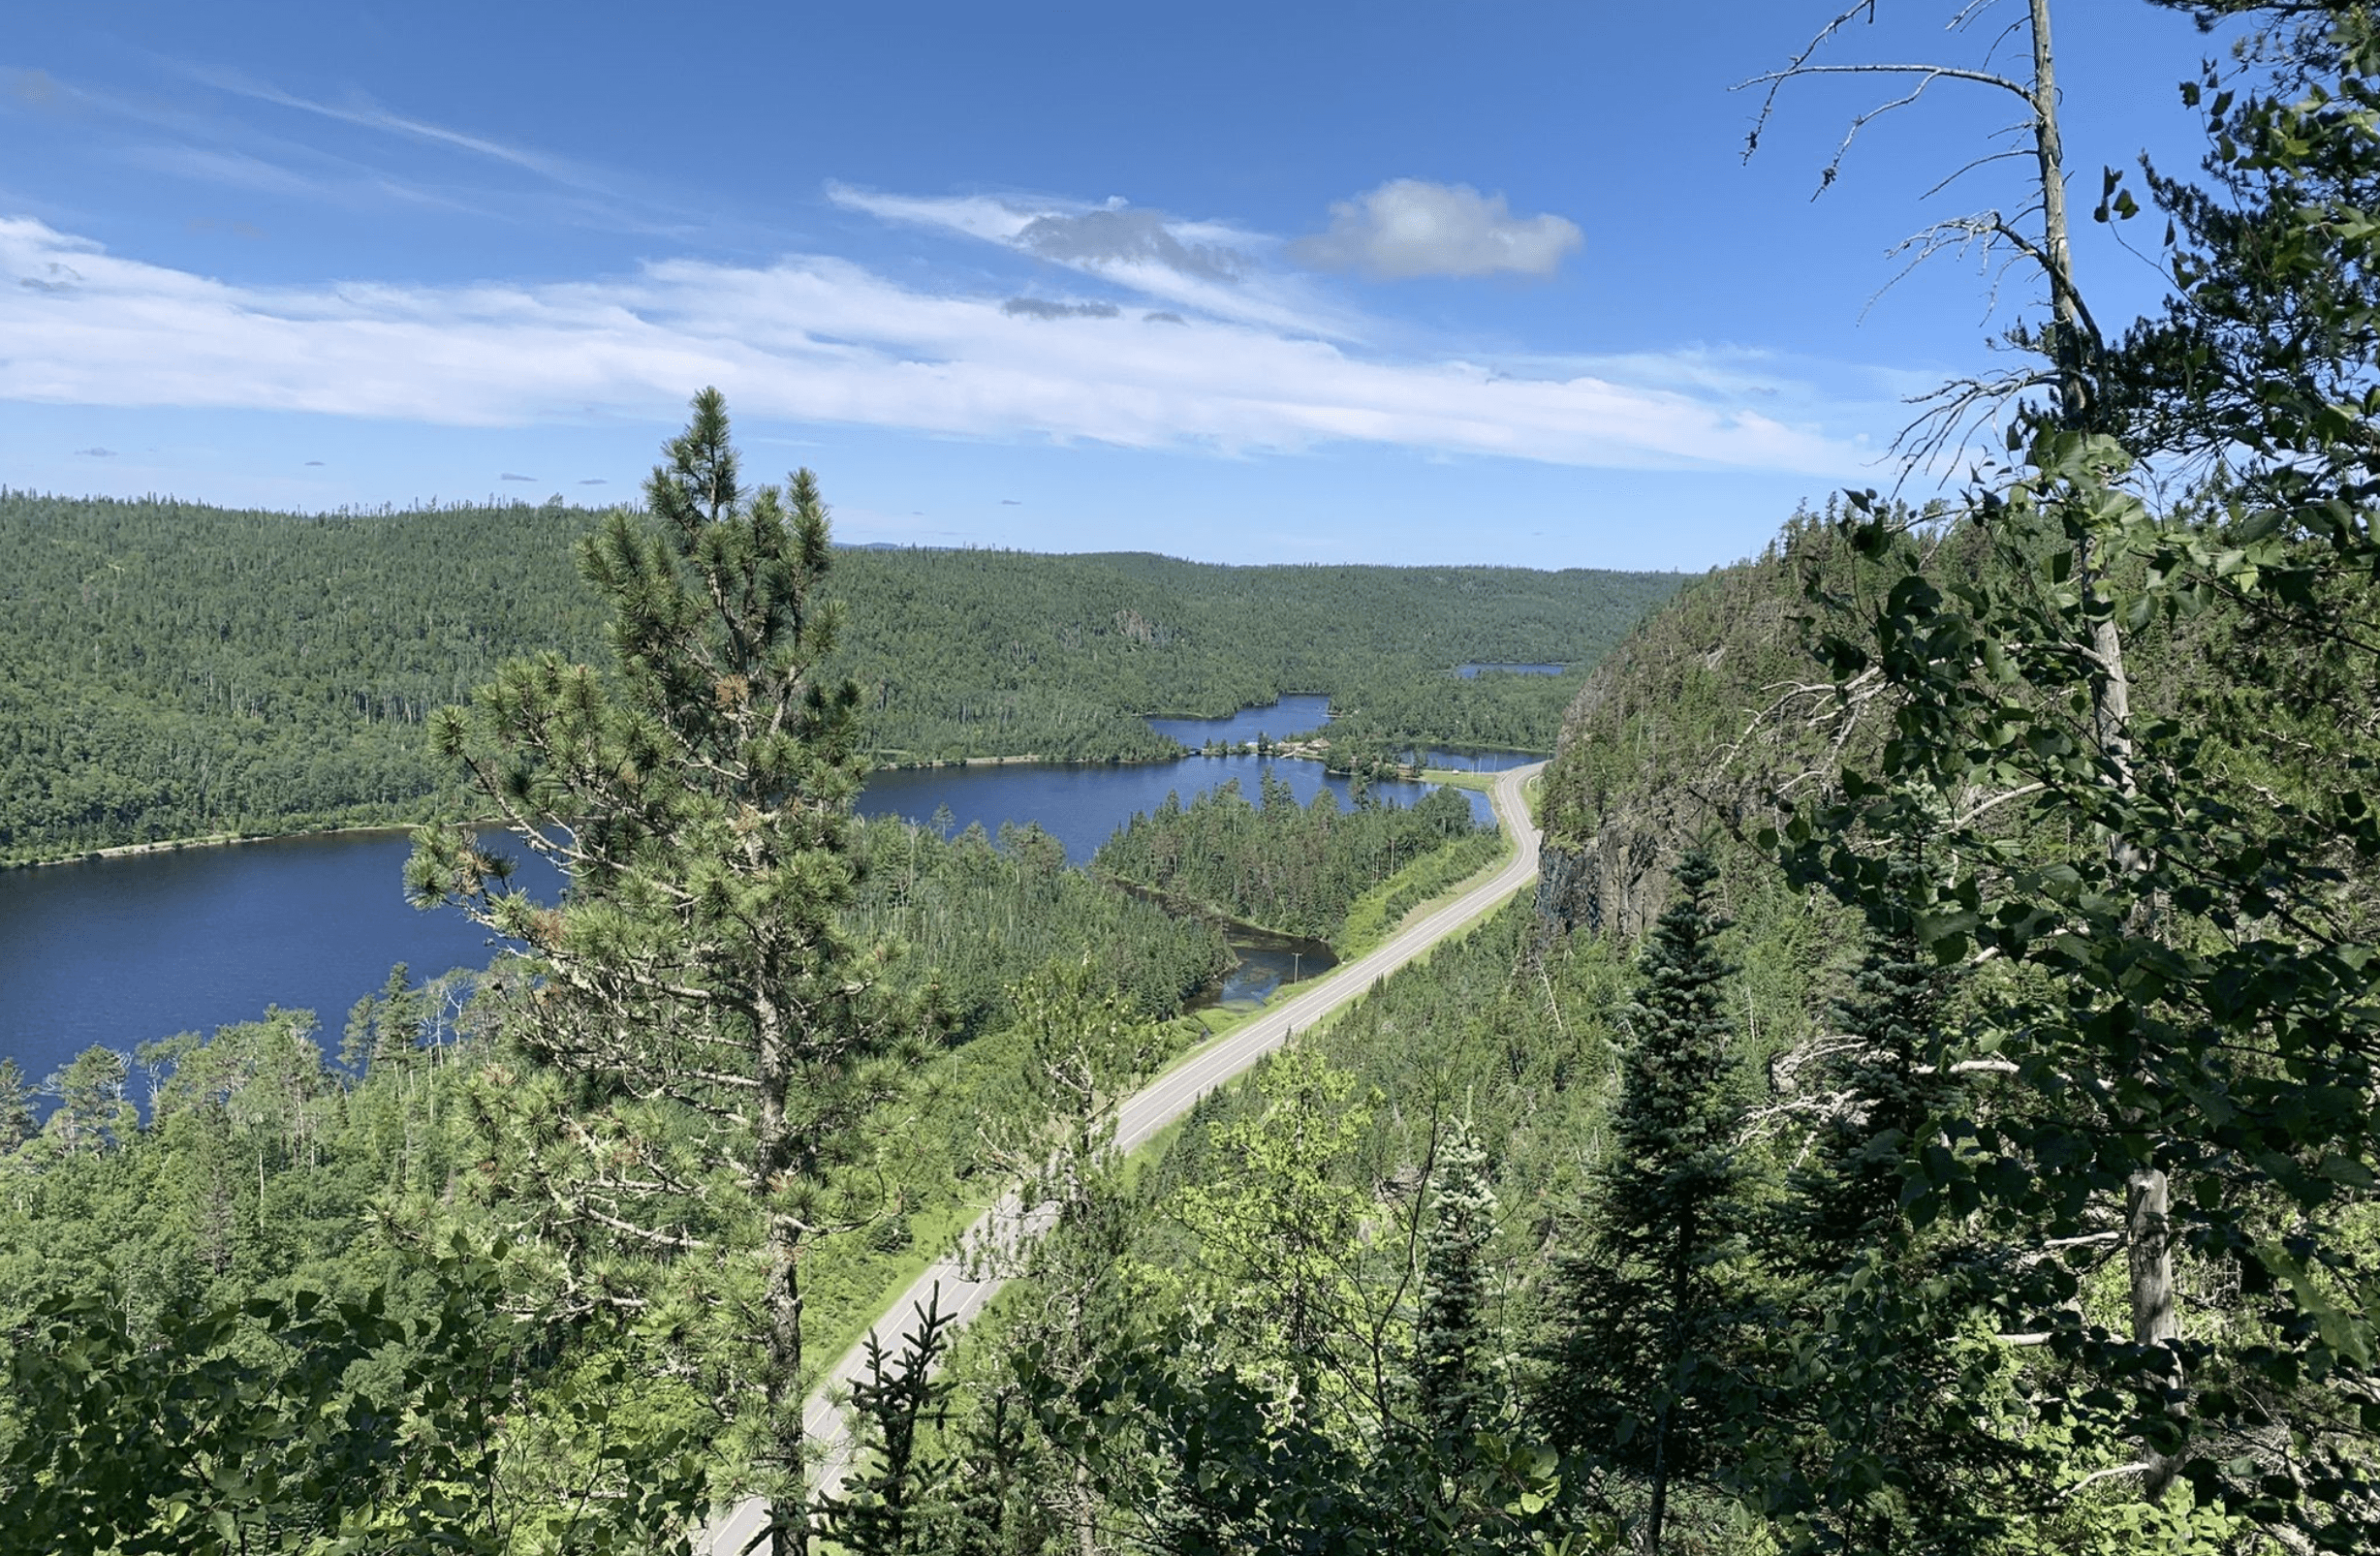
(1210, 268)
(235, 138)
(821, 339)
(365, 113)
(237, 170)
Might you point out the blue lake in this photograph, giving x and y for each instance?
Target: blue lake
(1081, 803)
(1291, 715)
(119, 952)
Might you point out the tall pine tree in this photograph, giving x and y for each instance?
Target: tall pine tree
(719, 1038)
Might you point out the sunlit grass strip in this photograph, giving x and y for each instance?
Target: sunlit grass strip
(1434, 878)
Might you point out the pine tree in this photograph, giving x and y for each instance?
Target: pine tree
(719, 1036)
(1644, 1378)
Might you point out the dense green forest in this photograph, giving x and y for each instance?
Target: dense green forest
(171, 671)
(982, 913)
(173, 1188)
(1495, 709)
(1285, 867)
(1927, 1105)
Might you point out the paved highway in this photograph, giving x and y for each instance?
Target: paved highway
(1006, 1225)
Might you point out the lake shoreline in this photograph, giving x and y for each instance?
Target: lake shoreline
(177, 845)
(212, 840)
(175, 934)
(1315, 751)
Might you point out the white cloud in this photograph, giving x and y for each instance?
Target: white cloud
(1409, 227)
(1209, 268)
(980, 216)
(812, 339)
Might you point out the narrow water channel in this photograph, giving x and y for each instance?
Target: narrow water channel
(1266, 962)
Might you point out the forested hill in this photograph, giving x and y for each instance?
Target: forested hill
(169, 669)
(1911, 1121)
(999, 652)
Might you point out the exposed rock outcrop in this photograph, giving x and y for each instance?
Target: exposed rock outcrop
(1690, 730)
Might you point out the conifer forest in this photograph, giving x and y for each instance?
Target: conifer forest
(1926, 1098)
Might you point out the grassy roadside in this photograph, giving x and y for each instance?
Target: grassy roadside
(1432, 879)
(986, 1336)
(1479, 783)
(851, 1284)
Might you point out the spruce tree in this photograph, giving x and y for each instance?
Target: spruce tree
(1888, 1086)
(1449, 1339)
(385, 1028)
(1644, 1377)
(990, 1501)
(1888, 1451)
(884, 1505)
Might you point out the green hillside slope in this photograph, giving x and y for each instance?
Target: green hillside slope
(171, 671)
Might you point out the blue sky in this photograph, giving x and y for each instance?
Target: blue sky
(1393, 282)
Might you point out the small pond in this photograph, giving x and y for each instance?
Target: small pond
(1457, 758)
(1266, 961)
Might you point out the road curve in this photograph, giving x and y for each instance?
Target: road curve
(1006, 1224)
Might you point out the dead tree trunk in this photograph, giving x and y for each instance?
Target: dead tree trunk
(2148, 1254)
(2073, 345)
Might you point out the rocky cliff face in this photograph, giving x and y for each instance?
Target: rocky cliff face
(1613, 883)
(1689, 732)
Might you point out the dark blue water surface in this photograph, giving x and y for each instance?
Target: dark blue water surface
(1471, 672)
(1291, 715)
(119, 952)
(1454, 758)
(1080, 804)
